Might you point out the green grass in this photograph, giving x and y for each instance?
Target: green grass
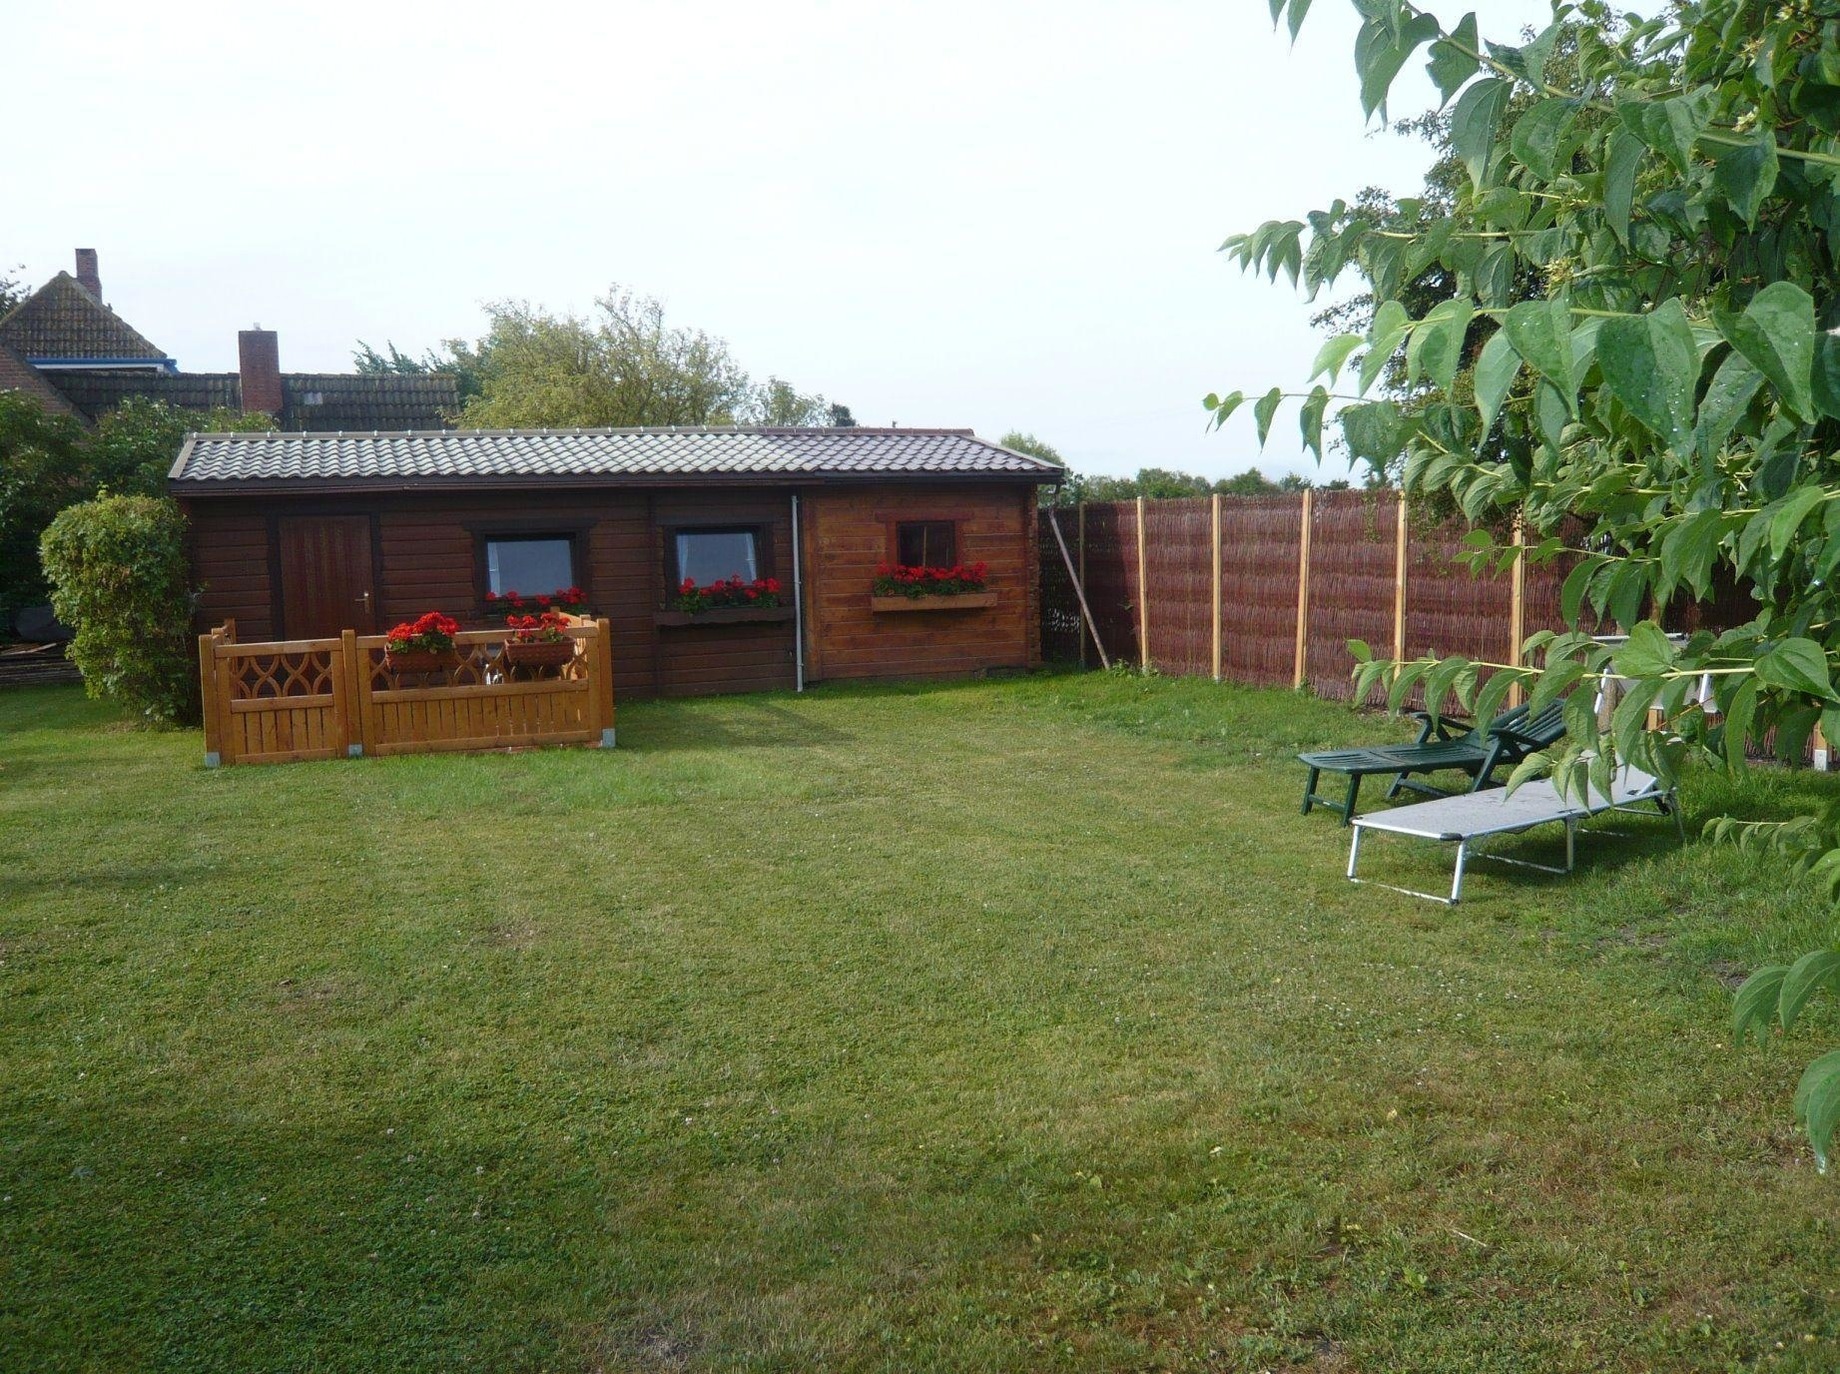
(985, 1027)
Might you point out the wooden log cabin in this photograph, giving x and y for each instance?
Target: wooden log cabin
(299, 535)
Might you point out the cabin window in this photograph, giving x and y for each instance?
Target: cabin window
(710, 555)
(534, 564)
(926, 543)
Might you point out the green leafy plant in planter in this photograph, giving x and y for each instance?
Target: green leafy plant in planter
(1640, 279)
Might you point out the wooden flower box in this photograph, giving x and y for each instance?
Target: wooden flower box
(731, 615)
(964, 601)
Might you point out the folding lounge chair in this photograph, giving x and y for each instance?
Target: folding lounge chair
(1444, 743)
(1465, 819)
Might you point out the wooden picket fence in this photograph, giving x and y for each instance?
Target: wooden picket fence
(284, 701)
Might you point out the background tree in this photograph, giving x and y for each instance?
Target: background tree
(1675, 383)
(12, 288)
(622, 366)
(48, 462)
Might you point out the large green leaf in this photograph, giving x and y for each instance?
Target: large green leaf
(1745, 176)
(1753, 1009)
(1453, 60)
(1333, 354)
(1799, 665)
(1436, 350)
(1804, 979)
(1776, 332)
(1382, 48)
(1541, 332)
(1264, 408)
(1817, 1104)
(1472, 124)
(1826, 389)
(1310, 420)
(1496, 370)
(1651, 364)
(1373, 430)
(1622, 161)
(1383, 339)
(1646, 653)
(1726, 400)
(1539, 137)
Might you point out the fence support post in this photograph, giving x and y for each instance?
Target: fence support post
(1303, 590)
(1517, 605)
(1084, 629)
(1216, 579)
(1143, 592)
(1821, 756)
(207, 699)
(602, 671)
(1399, 582)
(345, 694)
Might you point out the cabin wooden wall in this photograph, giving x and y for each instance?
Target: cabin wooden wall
(426, 559)
(848, 530)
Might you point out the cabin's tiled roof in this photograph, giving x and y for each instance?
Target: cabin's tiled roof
(309, 400)
(16, 374)
(62, 320)
(483, 458)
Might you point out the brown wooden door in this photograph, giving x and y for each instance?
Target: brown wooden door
(327, 576)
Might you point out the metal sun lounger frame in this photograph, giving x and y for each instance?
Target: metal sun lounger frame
(1463, 820)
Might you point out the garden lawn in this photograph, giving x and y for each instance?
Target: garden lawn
(982, 1027)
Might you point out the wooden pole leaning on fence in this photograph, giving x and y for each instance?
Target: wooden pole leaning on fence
(1517, 605)
(1215, 525)
(1303, 591)
(1143, 592)
(1399, 583)
(1079, 580)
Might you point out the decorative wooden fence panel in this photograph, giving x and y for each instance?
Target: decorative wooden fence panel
(294, 700)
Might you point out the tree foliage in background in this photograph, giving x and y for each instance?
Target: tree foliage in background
(622, 366)
(1673, 187)
(12, 289)
(48, 462)
(119, 578)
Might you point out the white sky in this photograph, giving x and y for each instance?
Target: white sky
(998, 214)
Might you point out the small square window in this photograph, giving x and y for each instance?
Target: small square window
(535, 566)
(705, 556)
(926, 543)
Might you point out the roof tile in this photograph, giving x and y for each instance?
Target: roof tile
(62, 320)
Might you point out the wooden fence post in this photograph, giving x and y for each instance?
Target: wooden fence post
(207, 699)
(229, 732)
(601, 670)
(1821, 756)
(1143, 592)
(1303, 590)
(345, 693)
(1399, 583)
(1216, 576)
(1084, 628)
(1517, 606)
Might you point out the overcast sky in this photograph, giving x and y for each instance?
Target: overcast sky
(995, 214)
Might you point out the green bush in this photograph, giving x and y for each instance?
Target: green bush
(118, 575)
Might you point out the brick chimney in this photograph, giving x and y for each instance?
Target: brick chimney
(258, 354)
(87, 276)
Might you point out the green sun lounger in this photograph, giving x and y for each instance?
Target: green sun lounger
(1444, 744)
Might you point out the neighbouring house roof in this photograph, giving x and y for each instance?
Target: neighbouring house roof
(592, 457)
(16, 374)
(309, 400)
(62, 323)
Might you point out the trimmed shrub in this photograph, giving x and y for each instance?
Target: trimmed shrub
(118, 574)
